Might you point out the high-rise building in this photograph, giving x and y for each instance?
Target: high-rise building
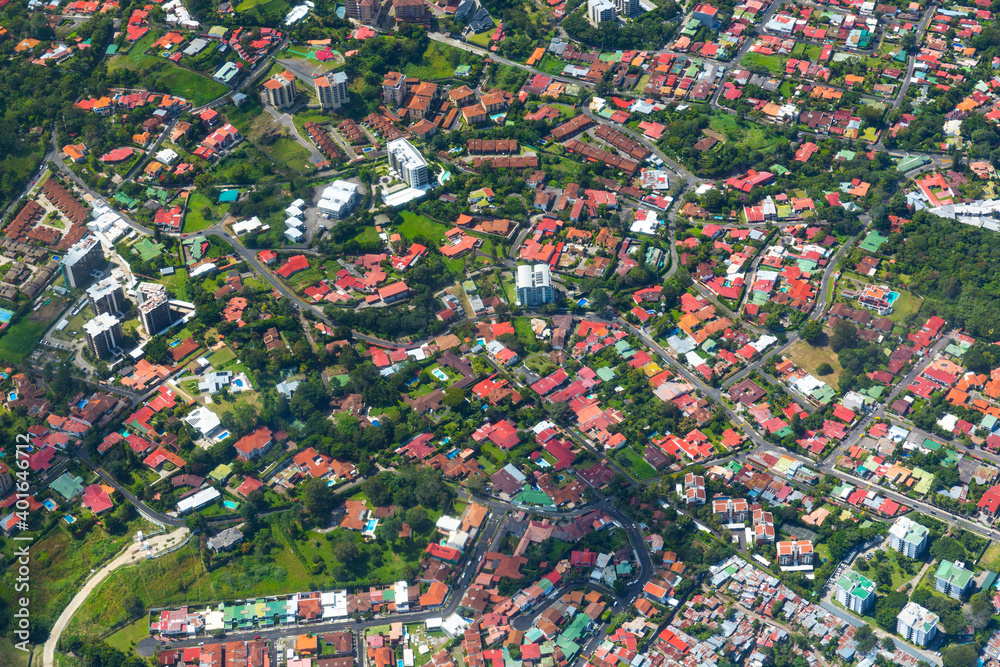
(104, 334)
(627, 7)
(908, 537)
(407, 161)
(952, 579)
(332, 90)
(107, 296)
(534, 285)
(393, 88)
(856, 592)
(81, 260)
(600, 11)
(412, 11)
(154, 307)
(916, 624)
(279, 90)
(367, 12)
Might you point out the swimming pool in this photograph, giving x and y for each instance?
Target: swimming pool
(452, 454)
(49, 505)
(222, 437)
(371, 525)
(70, 519)
(238, 383)
(175, 343)
(891, 297)
(582, 302)
(5, 315)
(229, 504)
(440, 374)
(369, 150)
(12, 396)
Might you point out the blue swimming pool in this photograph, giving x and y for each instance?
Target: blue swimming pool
(175, 343)
(49, 505)
(5, 315)
(225, 434)
(582, 302)
(230, 504)
(440, 374)
(452, 454)
(371, 525)
(70, 519)
(12, 396)
(238, 383)
(891, 297)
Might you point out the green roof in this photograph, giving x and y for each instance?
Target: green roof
(148, 249)
(531, 496)
(111, 50)
(67, 485)
(954, 574)
(221, 472)
(606, 373)
(228, 196)
(872, 242)
(856, 584)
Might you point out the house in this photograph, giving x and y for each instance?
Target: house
(225, 540)
(253, 445)
(694, 489)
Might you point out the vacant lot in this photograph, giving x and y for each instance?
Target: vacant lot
(439, 62)
(808, 357)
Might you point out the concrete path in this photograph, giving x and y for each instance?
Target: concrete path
(133, 554)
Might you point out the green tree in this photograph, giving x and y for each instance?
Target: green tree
(963, 655)
(824, 369)
(318, 499)
(865, 638)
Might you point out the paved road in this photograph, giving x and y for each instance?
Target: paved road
(285, 119)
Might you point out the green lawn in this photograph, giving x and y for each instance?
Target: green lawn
(482, 39)
(223, 356)
(774, 64)
(195, 220)
(991, 558)
(633, 462)
(131, 634)
(415, 225)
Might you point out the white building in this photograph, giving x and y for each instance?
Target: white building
(856, 592)
(908, 537)
(332, 90)
(407, 161)
(215, 381)
(82, 260)
(104, 334)
(204, 421)
(916, 624)
(534, 285)
(600, 11)
(167, 156)
(198, 500)
(339, 198)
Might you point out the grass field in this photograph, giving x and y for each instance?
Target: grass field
(906, 304)
(753, 136)
(180, 578)
(291, 153)
(194, 219)
(415, 225)
(634, 464)
(482, 39)
(991, 559)
(12, 657)
(133, 632)
(808, 357)
(774, 64)
(20, 339)
(167, 76)
(436, 63)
